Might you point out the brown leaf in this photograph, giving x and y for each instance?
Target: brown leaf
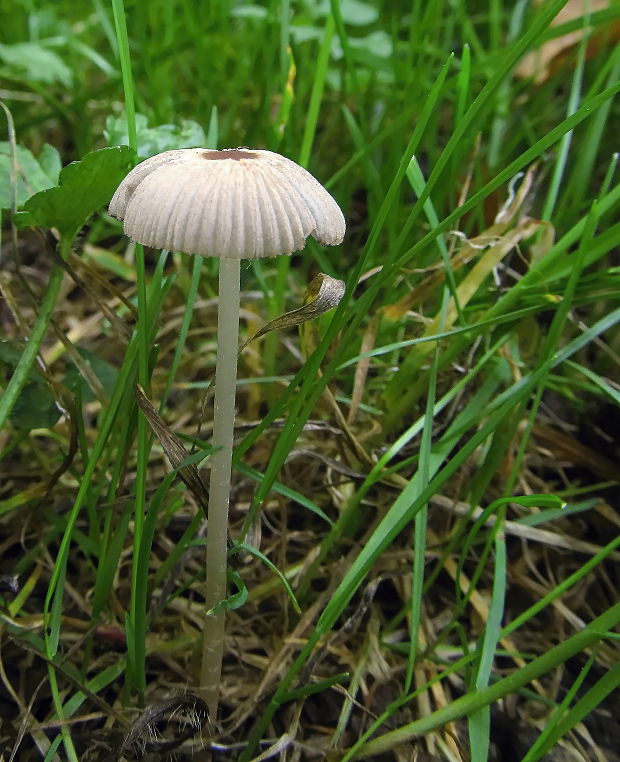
(470, 249)
(553, 54)
(323, 294)
(174, 448)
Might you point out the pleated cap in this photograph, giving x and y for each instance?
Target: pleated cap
(238, 203)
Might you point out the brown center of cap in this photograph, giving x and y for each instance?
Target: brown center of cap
(231, 153)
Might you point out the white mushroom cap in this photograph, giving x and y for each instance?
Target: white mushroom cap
(238, 203)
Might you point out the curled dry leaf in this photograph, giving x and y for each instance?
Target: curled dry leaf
(486, 241)
(501, 238)
(323, 294)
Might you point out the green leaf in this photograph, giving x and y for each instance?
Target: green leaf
(255, 552)
(369, 50)
(249, 11)
(50, 163)
(304, 32)
(152, 140)
(357, 13)
(84, 186)
(236, 600)
(35, 407)
(354, 12)
(105, 372)
(24, 220)
(32, 175)
(10, 352)
(31, 62)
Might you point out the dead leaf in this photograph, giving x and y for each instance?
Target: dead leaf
(323, 294)
(541, 63)
(492, 245)
(174, 448)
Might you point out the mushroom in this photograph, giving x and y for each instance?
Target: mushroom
(234, 204)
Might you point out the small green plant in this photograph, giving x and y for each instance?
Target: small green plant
(82, 188)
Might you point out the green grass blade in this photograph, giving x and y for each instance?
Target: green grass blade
(28, 356)
(122, 41)
(421, 518)
(311, 391)
(598, 693)
(469, 703)
(479, 722)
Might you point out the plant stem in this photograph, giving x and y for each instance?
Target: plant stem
(223, 431)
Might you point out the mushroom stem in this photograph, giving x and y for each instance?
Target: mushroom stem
(219, 492)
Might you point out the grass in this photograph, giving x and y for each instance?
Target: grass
(424, 537)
